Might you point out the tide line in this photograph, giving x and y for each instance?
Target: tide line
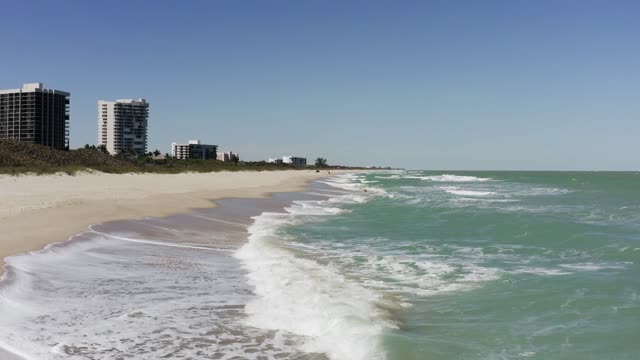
(160, 243)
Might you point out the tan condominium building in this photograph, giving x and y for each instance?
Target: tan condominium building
(122, 126)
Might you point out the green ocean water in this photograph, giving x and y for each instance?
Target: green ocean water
(482, 265)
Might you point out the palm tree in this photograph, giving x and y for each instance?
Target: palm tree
(321, 162)
(103, 148)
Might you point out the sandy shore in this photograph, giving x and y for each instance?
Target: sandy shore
(38, 210)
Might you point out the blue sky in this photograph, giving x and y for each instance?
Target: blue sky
(417, 84)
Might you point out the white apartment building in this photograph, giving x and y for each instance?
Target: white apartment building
(193, 150)
(122, 125)
(294, 160)
(228, 156)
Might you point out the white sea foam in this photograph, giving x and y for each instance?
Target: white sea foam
(540, 271)
(590, 266)
(478, 192)
(481, 200)
(342, 318)
(355, 183)
(540, 191)
(318, 207)
(16, 354)
(422, 276)
(125, 237)
(414, 177)
(419, 175)
(66, 302)
(454, 178)
(463, 192)
(388, 177)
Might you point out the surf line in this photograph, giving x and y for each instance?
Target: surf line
(159, 243)
(14, 351)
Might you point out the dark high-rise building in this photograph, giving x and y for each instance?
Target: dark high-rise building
(194, 150)
(35, 115)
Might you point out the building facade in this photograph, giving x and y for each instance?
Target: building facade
(228, 156)
(193, 150)
(122, 125)
(35, 115)
(294, 160)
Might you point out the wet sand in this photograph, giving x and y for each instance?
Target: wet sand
(38, 210)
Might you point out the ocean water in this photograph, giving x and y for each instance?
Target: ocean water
(386, 265)
(433, 265)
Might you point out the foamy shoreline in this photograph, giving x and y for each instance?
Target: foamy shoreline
(38, 210)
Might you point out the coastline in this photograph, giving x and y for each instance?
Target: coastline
(198, 244)
(40, 210)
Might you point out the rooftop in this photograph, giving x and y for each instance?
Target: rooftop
(32, 87)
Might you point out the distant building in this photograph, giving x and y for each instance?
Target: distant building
(193, 150)
(294, 160)
(35, 115)
(122, 125)
(228, 156)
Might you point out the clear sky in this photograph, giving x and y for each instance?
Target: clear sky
(446, 84)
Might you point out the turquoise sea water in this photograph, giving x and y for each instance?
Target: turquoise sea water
(457, 265)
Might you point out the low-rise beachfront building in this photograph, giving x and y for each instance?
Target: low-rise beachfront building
(227, 156)
(294, 160)
(193, 150)
(291, 160)
(35, 115)
(122, 126)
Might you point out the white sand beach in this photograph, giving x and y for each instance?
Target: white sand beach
(38, 210)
